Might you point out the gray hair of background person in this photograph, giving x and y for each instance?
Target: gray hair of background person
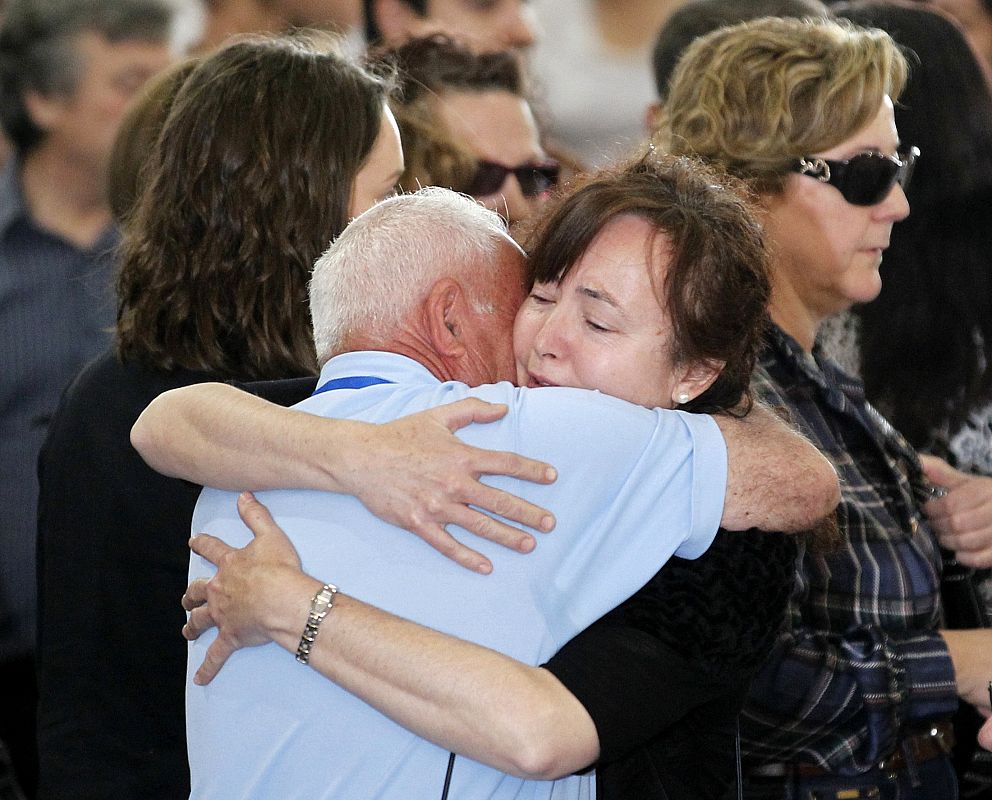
(38, 53)
(698, 17)
(387, 259)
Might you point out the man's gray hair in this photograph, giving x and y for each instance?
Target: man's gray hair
(387, 259)
(38, 53)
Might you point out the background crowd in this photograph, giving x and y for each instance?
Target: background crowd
(169, 183)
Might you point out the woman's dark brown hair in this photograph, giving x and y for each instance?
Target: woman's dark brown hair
(250, 180)
(715, 287)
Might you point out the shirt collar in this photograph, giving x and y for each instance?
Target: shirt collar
(817, 367)
(379, 364)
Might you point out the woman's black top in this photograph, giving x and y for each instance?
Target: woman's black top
(665, 674)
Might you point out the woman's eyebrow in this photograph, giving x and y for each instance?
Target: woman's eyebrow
(602, 296)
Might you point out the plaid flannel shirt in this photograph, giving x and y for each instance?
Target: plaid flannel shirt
(861, 663)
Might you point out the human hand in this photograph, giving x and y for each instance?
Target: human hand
(415, 473)
(971, 654)
(962, 519)
(246, 596)
(985, 734)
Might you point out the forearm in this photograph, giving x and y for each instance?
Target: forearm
(214, 434)
(463, 697)
(776, 479)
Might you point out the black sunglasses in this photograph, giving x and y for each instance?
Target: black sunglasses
(865, 179)
(534, 179)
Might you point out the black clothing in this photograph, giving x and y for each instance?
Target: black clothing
(112, 566)
(665, 674)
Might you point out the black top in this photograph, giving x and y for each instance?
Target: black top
(664, 676)
(112, 566)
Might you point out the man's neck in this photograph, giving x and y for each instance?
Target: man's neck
(64, 196)
(411, 346)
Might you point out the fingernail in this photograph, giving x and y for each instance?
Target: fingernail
(547, 523)
(484, 568)
(551, 474)
(526, 544)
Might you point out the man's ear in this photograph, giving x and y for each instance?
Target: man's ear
(44, 111)
(695, 380)
(445, 317)
(396, 20)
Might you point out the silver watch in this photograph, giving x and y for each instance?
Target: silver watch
(320, 606)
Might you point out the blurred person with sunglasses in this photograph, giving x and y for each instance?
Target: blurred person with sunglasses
(486, 26)
(467, 125)
(858, 695)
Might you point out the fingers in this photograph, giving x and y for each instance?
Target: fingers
(508, 506)
(257, 517)
(985, 734)
(210, 547)
(492, 529)
(196, 594)
(977, 558)
(446, 544)
(941, 473)
(200, 620)
(464, 412)
(217, 655)
(492, 462)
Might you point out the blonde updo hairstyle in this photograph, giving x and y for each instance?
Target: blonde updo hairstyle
(755, 97)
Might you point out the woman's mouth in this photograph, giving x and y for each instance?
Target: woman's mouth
(535, 381)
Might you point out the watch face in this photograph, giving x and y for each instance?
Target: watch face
(322, 602)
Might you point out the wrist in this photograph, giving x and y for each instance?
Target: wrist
(286, 601)
(349, 444)
(321, 605)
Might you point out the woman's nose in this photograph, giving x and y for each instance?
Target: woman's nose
(551, 339)
(895, 206)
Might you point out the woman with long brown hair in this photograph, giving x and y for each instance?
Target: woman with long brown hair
(270, 146)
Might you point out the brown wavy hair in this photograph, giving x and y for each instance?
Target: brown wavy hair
(755, 97)
(716, 287)
(250, 180)
(426, 68)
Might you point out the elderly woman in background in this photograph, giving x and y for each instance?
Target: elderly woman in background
(859, 692)
(467, 125)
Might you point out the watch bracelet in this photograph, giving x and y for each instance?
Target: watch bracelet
(320, 607)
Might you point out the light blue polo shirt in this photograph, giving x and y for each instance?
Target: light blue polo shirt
(635, 486)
